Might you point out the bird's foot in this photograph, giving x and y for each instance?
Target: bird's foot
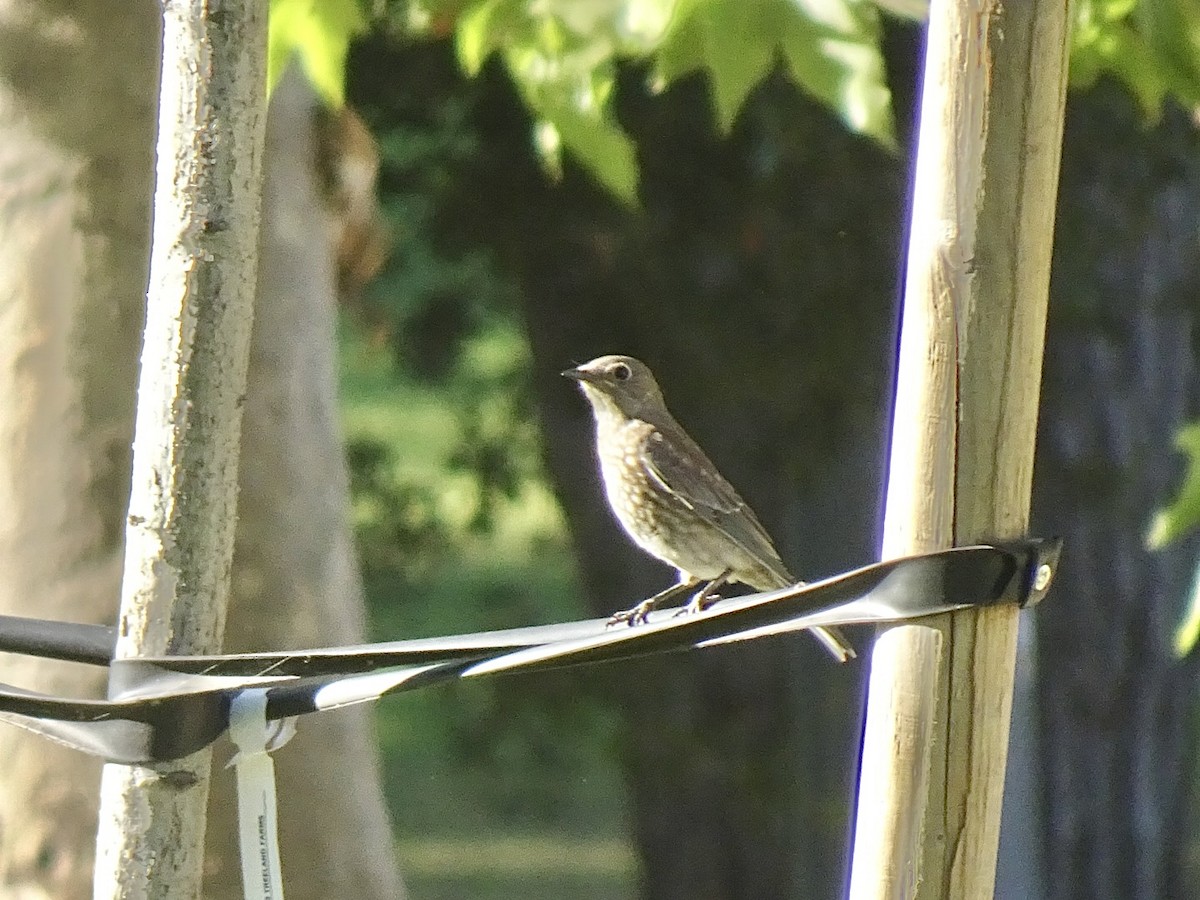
(641, 613)
(697, 604)
(636, 615)
(705, 597)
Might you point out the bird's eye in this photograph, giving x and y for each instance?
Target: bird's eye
(621, 372)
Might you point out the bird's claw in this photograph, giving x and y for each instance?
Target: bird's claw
(636, 615)
(697, 604)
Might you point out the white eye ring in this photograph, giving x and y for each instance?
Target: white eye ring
(622, 372)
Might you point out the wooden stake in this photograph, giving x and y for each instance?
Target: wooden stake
(963, 437)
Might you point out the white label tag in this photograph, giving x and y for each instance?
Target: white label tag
(262, 876)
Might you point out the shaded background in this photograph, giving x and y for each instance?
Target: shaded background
(760, 282)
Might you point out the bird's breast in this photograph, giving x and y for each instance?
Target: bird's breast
(622, 466)
(655, 517)
(662, 522)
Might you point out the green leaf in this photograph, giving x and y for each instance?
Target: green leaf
(1152, 46)
(831, 48)
(480, 31)
(319, 33)
(578, 120)
(562, 55)
(1182, 514)
(1172, 31)
(681, 50)
(600, 145)
(731, 42)
(833, 52)
(1188, 632)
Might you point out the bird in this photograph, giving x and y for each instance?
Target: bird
(671, 500)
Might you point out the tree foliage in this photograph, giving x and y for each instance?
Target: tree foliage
(1151, 46)
(563, 56)
(317, 33)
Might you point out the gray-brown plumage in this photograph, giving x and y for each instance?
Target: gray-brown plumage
(671, 499)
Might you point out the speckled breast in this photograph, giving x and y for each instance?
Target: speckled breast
(657, 520)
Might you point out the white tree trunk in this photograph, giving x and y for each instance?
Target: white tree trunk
(187, 435)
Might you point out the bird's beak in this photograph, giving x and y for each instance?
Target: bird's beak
(578, 374)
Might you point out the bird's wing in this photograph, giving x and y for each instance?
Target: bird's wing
(679, 465)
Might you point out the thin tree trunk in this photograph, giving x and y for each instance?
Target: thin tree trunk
(183, 499)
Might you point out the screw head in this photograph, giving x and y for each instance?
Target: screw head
(1041, 580)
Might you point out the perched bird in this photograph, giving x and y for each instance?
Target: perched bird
(671, 499)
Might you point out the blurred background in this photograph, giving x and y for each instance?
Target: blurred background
(464, 198)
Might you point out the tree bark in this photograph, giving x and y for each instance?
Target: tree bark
(187, 431)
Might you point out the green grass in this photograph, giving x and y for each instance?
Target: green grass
(517, 865)
(421, 425)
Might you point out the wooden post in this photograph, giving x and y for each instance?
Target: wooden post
(965, 417)
(182, 510)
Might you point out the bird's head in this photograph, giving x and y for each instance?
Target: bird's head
(620, 385)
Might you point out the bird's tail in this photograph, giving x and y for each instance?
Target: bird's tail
(831, 638)
(835, 642)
